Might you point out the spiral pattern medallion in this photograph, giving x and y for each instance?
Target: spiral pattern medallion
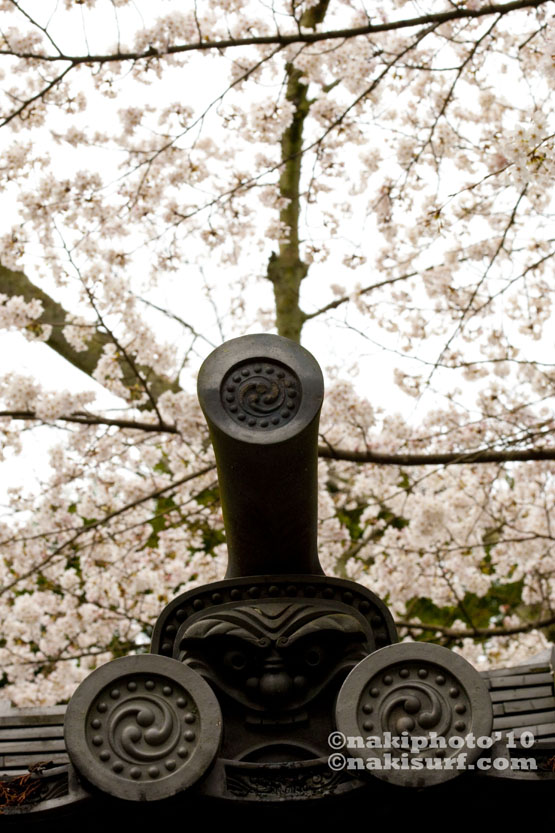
(143, 728)
(262, 394)
(419, 705)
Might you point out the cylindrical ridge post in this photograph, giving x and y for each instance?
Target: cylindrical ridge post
(261, 396)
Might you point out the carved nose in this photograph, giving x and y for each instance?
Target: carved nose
(275, 685)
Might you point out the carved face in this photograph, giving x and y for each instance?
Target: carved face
(273, 657)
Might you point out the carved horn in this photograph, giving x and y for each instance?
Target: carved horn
(261, 396)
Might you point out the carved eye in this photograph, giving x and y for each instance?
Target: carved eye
(236, 659)
(313, 656)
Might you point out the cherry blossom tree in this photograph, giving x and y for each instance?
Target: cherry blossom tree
(307, 167)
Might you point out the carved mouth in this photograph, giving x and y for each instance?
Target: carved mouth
(298, 718)
(276, 753)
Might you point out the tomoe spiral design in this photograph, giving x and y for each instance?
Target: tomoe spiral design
(418, 703)
(262, 394)
(414, 699)
(143, 727)
(415, 707)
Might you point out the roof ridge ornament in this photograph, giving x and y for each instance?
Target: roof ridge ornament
(261, 396)
(250, 677)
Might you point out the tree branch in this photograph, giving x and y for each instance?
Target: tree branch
(457, 633)
(17, 283)
(344, 298)
(84, 418)
(328, 452)
(41, 94)
(457, 13)
(286, 270)
(450, 458)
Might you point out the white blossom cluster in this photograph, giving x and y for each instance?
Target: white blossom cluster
(409, 172)
(18, 314)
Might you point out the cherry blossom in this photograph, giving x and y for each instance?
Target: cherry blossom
(380, 171)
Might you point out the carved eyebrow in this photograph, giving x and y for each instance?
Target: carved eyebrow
(335, 622)
(213, 627)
